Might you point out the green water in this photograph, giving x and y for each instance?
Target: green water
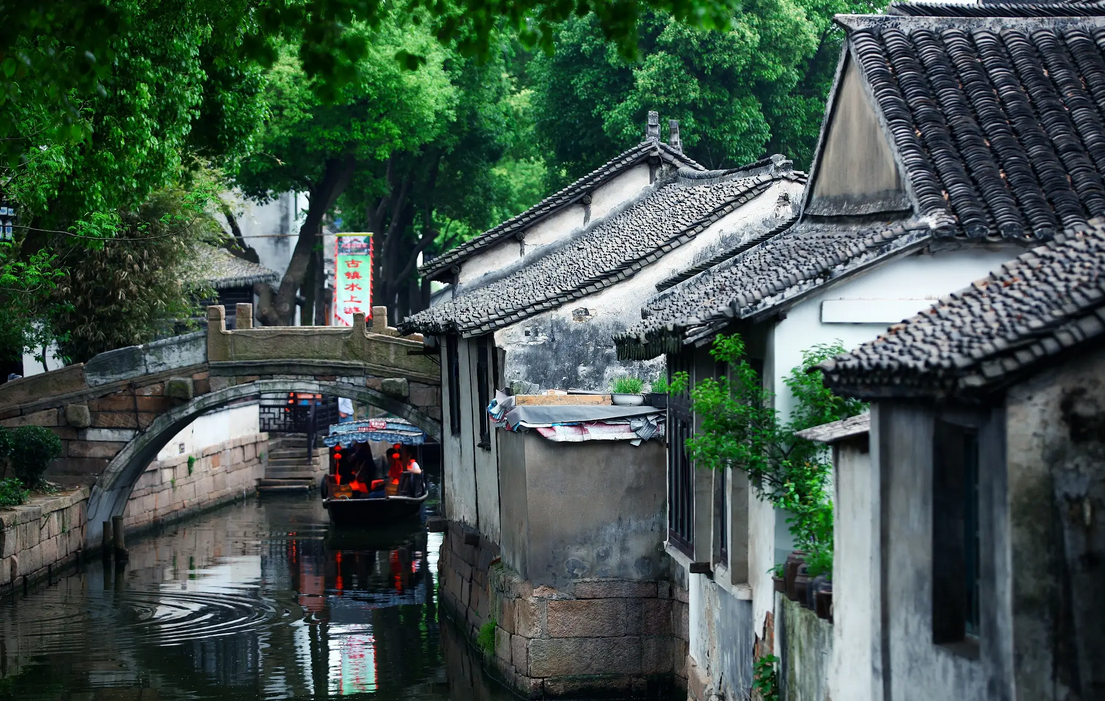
(258, 600)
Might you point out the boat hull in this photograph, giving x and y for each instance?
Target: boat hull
(372, 512)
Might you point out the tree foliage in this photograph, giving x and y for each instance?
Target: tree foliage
(756, 88)
(740, 428)
(135, 286)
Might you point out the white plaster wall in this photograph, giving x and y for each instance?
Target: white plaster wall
(619, 306)
(460, 489)
(625, 187)
(212, 429)
(855, 576)
(32, 364)
(270, 228)
(922, 277)
(555, 227)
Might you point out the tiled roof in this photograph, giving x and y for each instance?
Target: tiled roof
(222, 269)
(779, 271)
(556, 201)
(1048, 301)
(609, 251)
(997, 121)
(837, 431)
(1013, 9)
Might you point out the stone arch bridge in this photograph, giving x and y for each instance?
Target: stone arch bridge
(118, 410)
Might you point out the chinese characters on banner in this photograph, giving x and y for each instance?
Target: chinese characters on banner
(352, 277)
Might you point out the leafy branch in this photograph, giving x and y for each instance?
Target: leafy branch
(740, 428)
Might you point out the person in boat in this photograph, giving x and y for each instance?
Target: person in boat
(410, 482)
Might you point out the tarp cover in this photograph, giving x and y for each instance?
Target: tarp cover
(578, 423)
(383, 430)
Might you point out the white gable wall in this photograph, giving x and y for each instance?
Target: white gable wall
(900, 288)
(555, 227)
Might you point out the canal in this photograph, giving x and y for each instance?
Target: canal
(257, 600)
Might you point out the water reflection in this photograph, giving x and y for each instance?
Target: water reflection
(254, 601)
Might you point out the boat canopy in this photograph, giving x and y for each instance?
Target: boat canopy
(384, 430)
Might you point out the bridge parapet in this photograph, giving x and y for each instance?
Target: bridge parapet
(377, 349)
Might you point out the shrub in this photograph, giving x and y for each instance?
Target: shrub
(628, 385)
(29, 450)
(12, 492)
(486, 637)
(765, 678)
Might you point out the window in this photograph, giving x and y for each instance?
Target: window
(680, 469)
(955, 534)
(482, 379)
(454, 384)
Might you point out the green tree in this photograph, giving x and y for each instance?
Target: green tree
(738, 427)
(759, 87)
(316, 146)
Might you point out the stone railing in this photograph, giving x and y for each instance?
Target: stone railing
(378, 349)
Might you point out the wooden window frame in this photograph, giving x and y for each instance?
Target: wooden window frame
(452, 349)
(956, 538)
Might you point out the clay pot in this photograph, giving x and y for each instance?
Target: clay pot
(801, 584)
(816, 584)
(790, 570)
(780, 583)
(824, 603)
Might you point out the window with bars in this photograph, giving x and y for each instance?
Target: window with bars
(955, 533)
(483, 391)
(452, 350)
(680, 468)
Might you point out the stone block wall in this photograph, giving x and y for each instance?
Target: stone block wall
(606, 637)
(462, 573)
(168, 490)
(805, 648)
(48, 531)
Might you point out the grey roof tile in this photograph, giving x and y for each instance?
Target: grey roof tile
(1042, 303)
(222, 269)
(608, 251)
(569, 195)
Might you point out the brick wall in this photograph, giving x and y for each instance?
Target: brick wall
(47, 531)
(168, 490)
(606, 638)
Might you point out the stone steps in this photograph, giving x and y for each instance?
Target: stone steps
(267, 484)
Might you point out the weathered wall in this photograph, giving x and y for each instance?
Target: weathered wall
(1056, 462)
(856, 172)
(458, 478)
(594, 509)
(170, 489)
(720, 638)
(612, 638)
(912, 283)
(806, 643)
(46, 532)
(855, 643)
(902, 446)
(569, 347)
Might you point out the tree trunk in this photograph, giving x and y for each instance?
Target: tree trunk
(281, 311)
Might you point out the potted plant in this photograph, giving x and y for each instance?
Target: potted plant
(658, 392)
(627, 391)
(823, 602)
(777, 578)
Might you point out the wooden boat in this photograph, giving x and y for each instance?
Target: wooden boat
(350, 504)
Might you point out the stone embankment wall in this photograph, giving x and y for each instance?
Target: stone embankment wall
(169, 489)
(47, 532)
(605, 637)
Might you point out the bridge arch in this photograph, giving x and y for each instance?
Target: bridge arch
(113, 487)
